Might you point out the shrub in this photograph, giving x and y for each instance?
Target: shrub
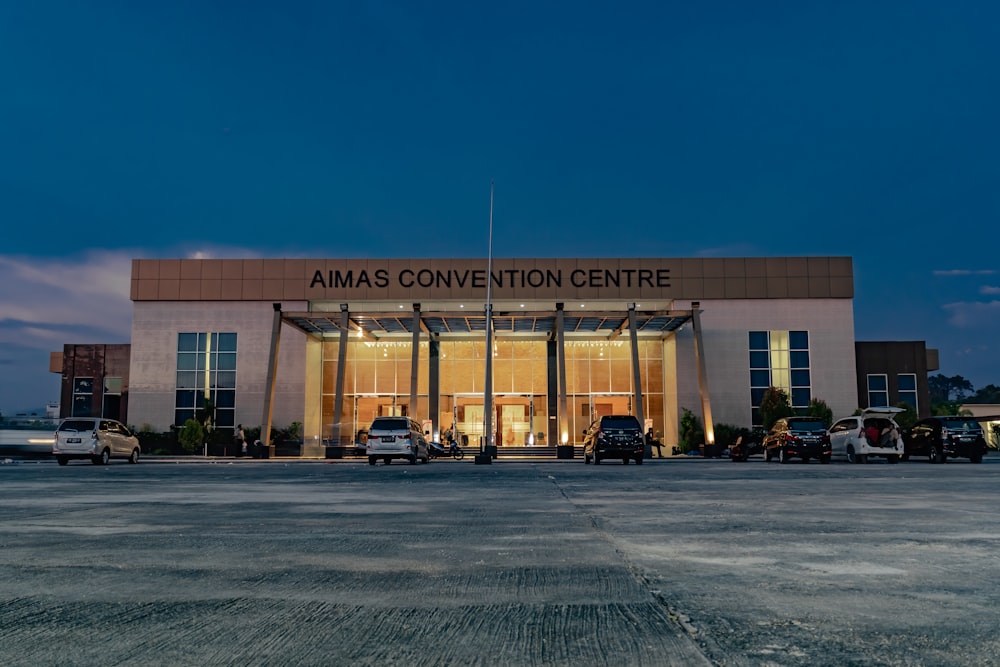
(773, 406)
(691, 432)
(191, 435)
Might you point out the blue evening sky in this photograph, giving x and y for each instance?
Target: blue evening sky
(373, 129)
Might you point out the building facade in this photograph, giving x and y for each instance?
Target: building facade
(334, 343)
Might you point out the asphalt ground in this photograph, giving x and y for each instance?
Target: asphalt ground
(675, 562)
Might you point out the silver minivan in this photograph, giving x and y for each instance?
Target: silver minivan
(396, 438)
(94, 438)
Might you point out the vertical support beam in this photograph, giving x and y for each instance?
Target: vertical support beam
(552, 393)
(434, 386)
(415, 362)
(272, 374)
(633, 333)
(699, 354)
(338, 399)
(561, 342)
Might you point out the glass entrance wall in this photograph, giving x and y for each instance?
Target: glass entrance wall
(376, 383)
(598, 378)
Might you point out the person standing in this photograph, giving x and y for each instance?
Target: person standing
(240, 439)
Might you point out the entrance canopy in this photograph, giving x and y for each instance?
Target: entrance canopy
(602, 324)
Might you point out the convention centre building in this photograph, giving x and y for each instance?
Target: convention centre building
(333, 343)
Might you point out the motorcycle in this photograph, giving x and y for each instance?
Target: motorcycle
(438, 450)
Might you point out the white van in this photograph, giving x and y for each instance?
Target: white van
(396, 438)
(872, 433)
(96, 439)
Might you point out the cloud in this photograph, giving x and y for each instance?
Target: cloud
(50, 301)
(989, 290)
(966, 314)
(964, 272)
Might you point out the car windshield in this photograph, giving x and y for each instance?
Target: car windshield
(805, 425)
(958, 424)
(619, 422)
(77, 425)
(390, 425)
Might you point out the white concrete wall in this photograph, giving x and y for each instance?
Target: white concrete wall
(725, 323)
(152, 384)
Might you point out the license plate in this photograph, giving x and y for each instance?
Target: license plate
(388, 438)
(73, 440)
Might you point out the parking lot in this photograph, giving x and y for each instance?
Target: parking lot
(676, 562)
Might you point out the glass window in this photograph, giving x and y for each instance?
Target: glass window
(800, 378)
(760, 378)
(799, 359)
(878, 394)
(907, 383)
(758, 340)
(800, 397)
(759, 360)
(200, 356)
(798, 340)
(187, 342)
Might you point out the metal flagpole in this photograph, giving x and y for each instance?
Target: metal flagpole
(485, 451)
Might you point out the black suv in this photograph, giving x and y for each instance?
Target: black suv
(614, 437)
(942, 438)
(802, 437)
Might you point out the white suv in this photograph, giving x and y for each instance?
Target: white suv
(94, 438)
(396, 438)
(872, 433)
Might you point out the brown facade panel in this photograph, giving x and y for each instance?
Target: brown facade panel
(736, 288)
(170, 269)
(191, 269)
(169, 289)
(410, 280)
(798, 287)
(190, 290)
(819, 287)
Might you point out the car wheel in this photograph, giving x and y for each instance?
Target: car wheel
(597, 460)
(976, 458)
(638, 460)
(892, 458)
(102, 458)
(782, 455)
(412, 459)
(805, 459)
(862, 458)
(134, 457)
(387, 460)
(371, 460)
(933, 455)
(62, 460)
(851, 457)
(824, 459)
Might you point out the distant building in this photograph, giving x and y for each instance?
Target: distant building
(95, 380)
(894, 372)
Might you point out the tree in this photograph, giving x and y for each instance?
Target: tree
(988, 394)
(819, 408)
(691, 432)
(906, 418)
(773, 406)
(943, 388)
(191, 435)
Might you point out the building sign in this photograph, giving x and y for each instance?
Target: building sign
(504, 278)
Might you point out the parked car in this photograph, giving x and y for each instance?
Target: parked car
(942, 438)
(797, 437)
(747, 445)
(96, 439)
(872, 433)
(614, 437)
(396, 438)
